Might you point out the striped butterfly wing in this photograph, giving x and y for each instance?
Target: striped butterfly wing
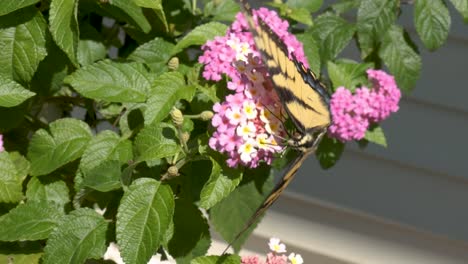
(304, 98)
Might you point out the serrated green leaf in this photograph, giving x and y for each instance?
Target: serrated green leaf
(404, 63)
(23, 41)
(377, 136)
(310, 5)
(90, 46)
(33, 258)
(12, 93)
(156, 141)
(65, 142)
(462, 7)
(112, 81)
(148, 3)
(45, 189)
(201, 34)
(144, 215)
(10, 6)
(329, 152)
(155, 53)
(10, 182)
(167, 90)
(64, 27)
(301, 15)
(222, 10)
(21, 163)
(105, 177)
(432, 20)
(191, 238)
(241, 204)
(333, 34)
(345, 6)
(30, 221)
(130, 12)
(224, 259)
(348, 74)
(107, 145)
(79, 236)
(221, 183)
(312, 51)
(374, 19)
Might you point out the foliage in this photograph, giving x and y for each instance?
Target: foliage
(102, 106)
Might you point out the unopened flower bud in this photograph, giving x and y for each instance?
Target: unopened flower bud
(185, 136)
(173, 64)
(172, 171)
(206, 115)
(177, 117)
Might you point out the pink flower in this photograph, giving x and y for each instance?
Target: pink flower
(1, 143)
(276, 259)
(353, 113)
(251, 260)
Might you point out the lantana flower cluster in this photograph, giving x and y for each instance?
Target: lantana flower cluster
(249, 122)
(354, 113)
(275, 256)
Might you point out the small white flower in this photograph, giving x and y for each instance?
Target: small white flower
(113, 253)
(246, 130)
(246, 150)
(295, 259)
(276, 246)
(234, 115)
(249, 109)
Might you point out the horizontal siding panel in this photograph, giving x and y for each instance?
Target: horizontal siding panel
(384, 189)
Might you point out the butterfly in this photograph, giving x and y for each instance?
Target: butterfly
(304, 98)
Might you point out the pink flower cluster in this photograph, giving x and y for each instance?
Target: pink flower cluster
(274, 257)
(250, 120)
(1, 143)
(353, 113)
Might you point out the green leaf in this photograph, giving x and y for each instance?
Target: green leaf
(90, 46)
(128, 11)
(241, 205)
(167, 90)
(222, 10)
(47, 189)
(21, 163)
(65, 142)
(23, 40)
(312, 51)
(148, 3)
(404, 63)
(191, 238)
(155, 53)
(329, 152)
(432, 20)
(221, 183)
(224, 259)
(30, 221)
(376, 135)
(200, 34)
(301, 15)
(10, 183)
(144, 215)
(156, 141)
(333, 34)
(10, 6)
(107, 145)
(348, 74)
(374, 19)
(105, 177)
(462, 7)
(79, 236)
(64, 27)
(12, 93)
(112, 81)
(33, 258)
(310, 5)
(345, 5)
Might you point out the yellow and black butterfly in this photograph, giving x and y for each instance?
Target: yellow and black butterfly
(304, 98)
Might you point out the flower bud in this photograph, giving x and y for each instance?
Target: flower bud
(206, 115)
(185, 136)
(177, 117)
(172, 171)
(173, 64)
